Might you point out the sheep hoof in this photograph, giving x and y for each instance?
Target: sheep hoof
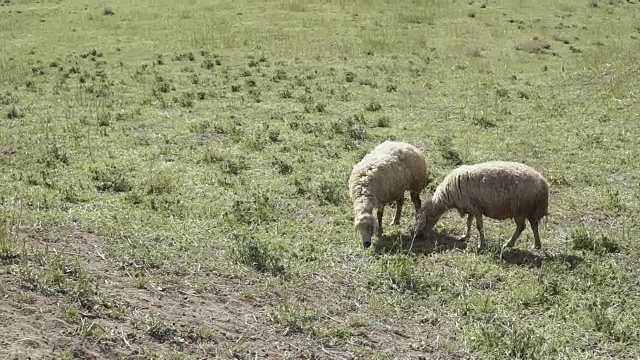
(463, 238)
(367, 244)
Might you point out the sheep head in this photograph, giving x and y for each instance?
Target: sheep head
(428, 215)
(367, 225)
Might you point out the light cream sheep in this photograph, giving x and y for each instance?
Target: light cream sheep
(497, 189)
(382, 177)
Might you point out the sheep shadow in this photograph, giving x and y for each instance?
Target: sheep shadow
(520, 257)
(432, 243)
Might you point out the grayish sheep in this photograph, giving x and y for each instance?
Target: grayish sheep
(497, 189)
(382, 177)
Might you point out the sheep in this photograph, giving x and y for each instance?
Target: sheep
(497, 189)
(382, 177)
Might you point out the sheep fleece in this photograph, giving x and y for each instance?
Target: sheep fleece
(497, 189)
(389, 170)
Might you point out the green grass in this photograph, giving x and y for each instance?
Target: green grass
(174, 178)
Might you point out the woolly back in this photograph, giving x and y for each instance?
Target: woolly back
(387, 171)
(496, 188)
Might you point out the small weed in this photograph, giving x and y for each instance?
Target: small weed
(615, 200)
(253, 208)
(56, 154)
(523, 95)
(283, 167)
(353, 127)
(448, 151)
(13, 113)
(483, 122)
(286, 94)
(159, 184)
(297, 320)
(370, 83)
(373, 106)
(208, 64)
(235, 88)
(186, 100)
(383, 122)
(160, 330)
(8, 242)
(91, 329)
(257, 254)
(280, 75)
(8, 98)
(186, 56)
(274, 136)
(503, 93)
(400, 274)
(110, 178)
(584, 240)
(70, 314)
(164, 85)
(329, 192)
(256, 95)
(103, 118)
(349, 76)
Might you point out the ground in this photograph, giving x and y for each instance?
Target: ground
(174, 178)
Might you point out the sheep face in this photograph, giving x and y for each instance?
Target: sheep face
(367, 225)
(428, 216)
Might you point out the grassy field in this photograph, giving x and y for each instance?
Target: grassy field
(174, 178)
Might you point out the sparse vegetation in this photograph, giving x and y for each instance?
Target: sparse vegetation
(178, 189)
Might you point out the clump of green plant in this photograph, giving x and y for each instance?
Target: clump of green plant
(585, 240)
(186, 56)
(283, 167)
(160, 330)
(257, 254)
(383, 122)
(448, 151)
(253, 208)
(55, 154)
(296, 319)
(353, 127)
(159, 184)
(330, 191)
(14, 113)
(349, 76)
(164, 85)
(110, 178)
(8, 98)
(483, 121)
(399, 273)
(373, 105)
(512, 340)
(280, 75)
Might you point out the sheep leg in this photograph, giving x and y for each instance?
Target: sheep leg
(467, 234)
(536, 236)
(482, 244)
(520, 226)
(399, 204)
(380, 213)
(415, 198)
